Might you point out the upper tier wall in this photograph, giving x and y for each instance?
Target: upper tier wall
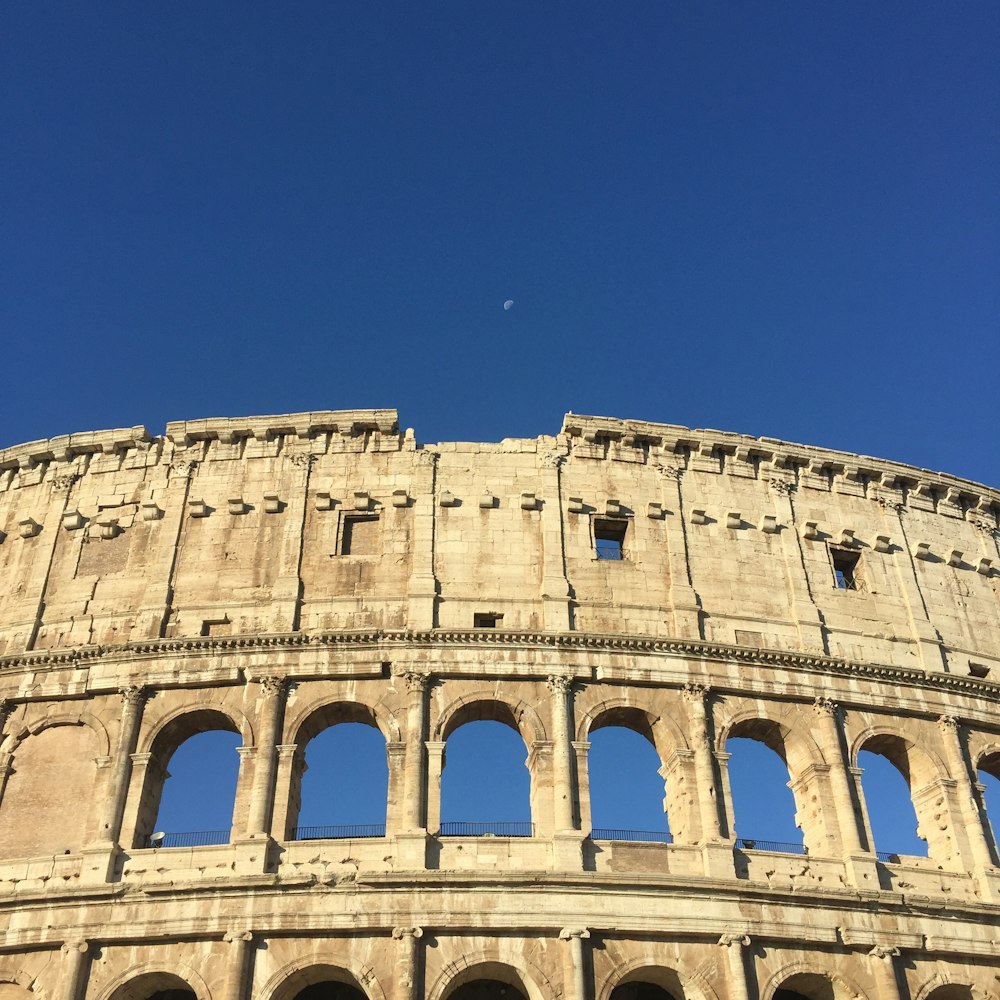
(336, 520)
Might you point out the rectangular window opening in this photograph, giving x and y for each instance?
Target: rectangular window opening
(487, 619)
(846, 568)
(360, 535)
(609, 539)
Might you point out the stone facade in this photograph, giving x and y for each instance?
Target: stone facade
(277, 575)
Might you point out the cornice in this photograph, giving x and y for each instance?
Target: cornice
(387, 639)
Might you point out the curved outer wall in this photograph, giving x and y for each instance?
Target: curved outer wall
(284, 573)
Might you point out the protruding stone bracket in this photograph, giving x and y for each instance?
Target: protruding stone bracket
(699, 517)
(198, 508)
(73, 519)
(237, 505)
(448, 499)
(273, 503)
(883, 543)
(923, 551)
(28, 528)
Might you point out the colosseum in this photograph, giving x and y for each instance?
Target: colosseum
(276, 576)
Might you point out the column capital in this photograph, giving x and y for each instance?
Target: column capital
(825, 706)
(884, 952)
(272, 686)
(133, 695)
(559, 683)
(735, 940)
(232, 937)
(398, 933)
(568, 933)
(417, 681)
(695, 691)
(79, 947)
(948, 723)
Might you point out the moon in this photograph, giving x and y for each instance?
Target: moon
(508, 305)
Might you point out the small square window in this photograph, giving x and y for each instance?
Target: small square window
(845, 569)
(360, 536)
(609, 539)
(486, 620)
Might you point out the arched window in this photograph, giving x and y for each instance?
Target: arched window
(189, 786)
(952, 991)
(330, 990)
(885, 782)
(485, 785)
(155, 986)
(196, 806)
(763, 804)
(988, 775)
(640, 990)
(486, 989)
(345, 785)
(631, 809)
(806, 986)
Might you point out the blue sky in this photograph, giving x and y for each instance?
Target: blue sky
(779, 218)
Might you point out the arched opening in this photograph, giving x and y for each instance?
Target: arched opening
(640, 990)
(622, 744)
(886, 785)
(805, 986)
(318, 982)
(952, 991)
(345, 784)
(487, 989)
(988, 775)
(189, 791)
(485, 783)
(330, 990)
(762, 802)
(155, 986)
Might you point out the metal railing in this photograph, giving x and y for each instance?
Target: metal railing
(466, 829)
(776, 846)
(631, 836)
(887, 856)
(356, 831)
(199, 838)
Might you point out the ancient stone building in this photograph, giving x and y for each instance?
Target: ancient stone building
(275, 576)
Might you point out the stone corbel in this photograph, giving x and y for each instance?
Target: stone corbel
(29, 527)
(236, 505)
(73, 519)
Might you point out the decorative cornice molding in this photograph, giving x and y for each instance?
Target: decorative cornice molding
(589, 642)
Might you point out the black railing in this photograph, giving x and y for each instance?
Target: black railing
(357, 831)
(631, 836)
(199, 838)
(463, 829)
(776, 846)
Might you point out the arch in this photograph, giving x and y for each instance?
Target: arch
(665, 734)
(988, 760)
(169, 732)
(142, 981)
(692, 984)
(796, 747)
(526, 977)
(796, 976)
(923, 767)
(942, 986)
(321, 713)
(16, 977)
(487, 706)
(287, 981)
(67, 718)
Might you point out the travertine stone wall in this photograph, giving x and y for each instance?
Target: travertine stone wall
(277, 575)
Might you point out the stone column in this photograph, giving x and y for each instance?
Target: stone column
(415, 764)
(736, 973)
(884, 970)
(288, 775)
(696, 696)
(842, 785)
(686, 604)
(74, 969)
(240, 943)
(575, 970)
(408, 985)
(435, 764)
(960, 771)
(272, 690)
(422, 589)
(562, 764)
(582, 750)
(133, 698)
(6, 708)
